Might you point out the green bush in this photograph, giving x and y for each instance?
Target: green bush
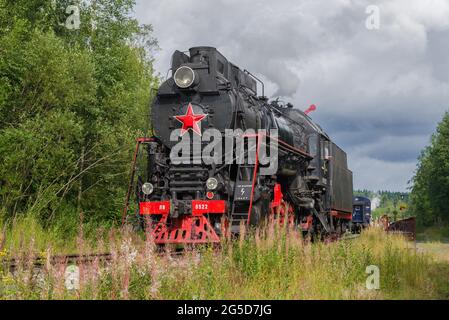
(72, 103)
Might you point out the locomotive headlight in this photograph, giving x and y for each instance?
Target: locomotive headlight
(184, 77)
(212, 183)
(147, 188)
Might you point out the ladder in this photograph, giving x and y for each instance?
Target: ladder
(243, 196)
(139, 142)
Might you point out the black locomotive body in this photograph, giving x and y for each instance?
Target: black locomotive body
(198, 200)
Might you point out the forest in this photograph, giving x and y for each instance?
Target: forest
(430, 186)
(75, 88)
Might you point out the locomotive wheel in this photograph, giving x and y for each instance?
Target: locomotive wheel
(259, 212)
(256, 214)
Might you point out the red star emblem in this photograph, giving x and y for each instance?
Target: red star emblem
(190, 120)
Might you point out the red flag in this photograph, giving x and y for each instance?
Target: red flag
(310, 109)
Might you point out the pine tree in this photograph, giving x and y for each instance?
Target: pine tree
(430, 192)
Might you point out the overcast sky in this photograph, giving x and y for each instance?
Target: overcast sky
(380, 93)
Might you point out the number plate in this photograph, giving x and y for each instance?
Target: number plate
(208, 206)
(155, 207)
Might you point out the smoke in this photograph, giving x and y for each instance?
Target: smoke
(375, 203)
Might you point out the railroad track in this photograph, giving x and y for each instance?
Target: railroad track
(349, 237)
(38, 262)
(70, 259)
(102, 258)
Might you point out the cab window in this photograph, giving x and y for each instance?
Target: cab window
(313, 145)
(325, 151)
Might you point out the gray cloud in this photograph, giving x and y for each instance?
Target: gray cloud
(379, 93)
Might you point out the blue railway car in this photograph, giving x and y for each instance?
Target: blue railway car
(361, 214)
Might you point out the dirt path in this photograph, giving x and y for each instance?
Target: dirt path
(439, 250)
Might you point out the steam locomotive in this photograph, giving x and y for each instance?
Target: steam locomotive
(199, 197)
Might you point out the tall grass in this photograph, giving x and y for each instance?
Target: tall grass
(271, 263)
(61, 236)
